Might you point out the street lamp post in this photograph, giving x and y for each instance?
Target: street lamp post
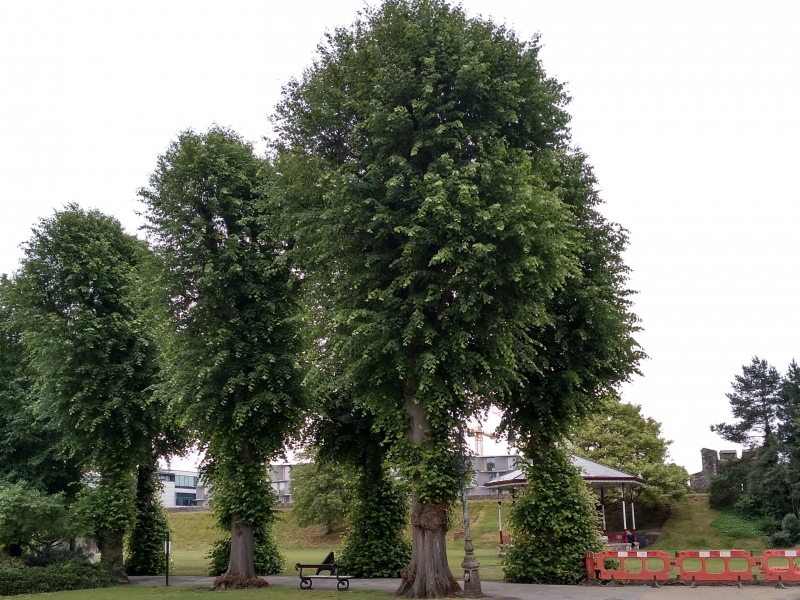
(470, 565)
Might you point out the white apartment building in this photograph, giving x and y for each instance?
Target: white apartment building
(181, 488)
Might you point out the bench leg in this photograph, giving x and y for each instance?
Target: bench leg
(344, 584)
(305, 583)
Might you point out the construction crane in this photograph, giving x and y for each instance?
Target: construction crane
(478, 433)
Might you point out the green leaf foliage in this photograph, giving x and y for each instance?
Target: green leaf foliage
(618, 435)
(31, 448)
(105, 509)
(376, 544)
(93, 358)
(737, 527)
(555, 522)
(268, 559)
(322, 492)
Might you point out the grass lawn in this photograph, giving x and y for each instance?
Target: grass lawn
(134, 592)
(194, 532)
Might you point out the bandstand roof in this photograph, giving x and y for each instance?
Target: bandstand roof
(595, 474)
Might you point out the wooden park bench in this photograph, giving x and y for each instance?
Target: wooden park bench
(328, 564)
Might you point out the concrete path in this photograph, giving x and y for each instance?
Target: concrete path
(517, 591)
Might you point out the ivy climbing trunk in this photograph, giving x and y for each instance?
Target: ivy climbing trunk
(428, 574)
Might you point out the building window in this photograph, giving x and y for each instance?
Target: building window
(490, 465)
(166, 477)
(186, 481)
(182, 499)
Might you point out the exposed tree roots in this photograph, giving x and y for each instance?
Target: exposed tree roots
(237, 582)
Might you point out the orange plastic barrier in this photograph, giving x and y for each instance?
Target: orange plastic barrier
(704, 555)
(790, 572)
(591, 566)
(645, 574)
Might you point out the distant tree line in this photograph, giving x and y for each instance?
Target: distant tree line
(764, 484)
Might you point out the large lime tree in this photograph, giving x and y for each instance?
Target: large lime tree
(91, 356)
(233, 299)
(418, 156)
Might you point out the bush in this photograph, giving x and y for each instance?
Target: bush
(791, 525)
(556, 523)
(268, 558)
(780, 539)
(51, 555)
(76, 574)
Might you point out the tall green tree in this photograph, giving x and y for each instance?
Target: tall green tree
(413, 154)
(429, 181)
(234, 302)
(92, 357)
(618, 435)
(755, 401)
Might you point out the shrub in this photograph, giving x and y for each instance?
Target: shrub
(780, 539)
(51, 555)
(791, 525)
(76, 574)
(268, 558)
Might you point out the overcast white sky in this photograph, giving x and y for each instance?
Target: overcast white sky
(688, 110)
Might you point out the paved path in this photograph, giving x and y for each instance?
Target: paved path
(518, 591)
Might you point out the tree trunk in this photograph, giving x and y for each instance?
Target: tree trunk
(428, 575)
(242, 562)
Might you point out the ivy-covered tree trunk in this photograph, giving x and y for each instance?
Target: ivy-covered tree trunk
(554, 519)
(145, 554)
(111, 549)
(428, 575)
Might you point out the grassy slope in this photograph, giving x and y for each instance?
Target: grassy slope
(194, 532)
(689, 528)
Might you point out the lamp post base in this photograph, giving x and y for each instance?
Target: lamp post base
(472, 578)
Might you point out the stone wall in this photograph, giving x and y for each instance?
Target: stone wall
(701, 480)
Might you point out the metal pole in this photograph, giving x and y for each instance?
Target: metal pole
(624, 512)
(633, 511)
(603, 505)
(166, 549)
(500, 516)
(470, 565)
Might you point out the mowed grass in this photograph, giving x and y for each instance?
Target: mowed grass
(194, 532)
(135, 592)
(690, 528)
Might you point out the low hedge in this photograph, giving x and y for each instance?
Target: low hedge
(74, 575)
